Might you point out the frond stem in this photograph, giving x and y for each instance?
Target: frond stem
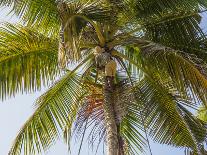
(85, 127)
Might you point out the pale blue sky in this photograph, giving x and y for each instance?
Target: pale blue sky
(15, 111)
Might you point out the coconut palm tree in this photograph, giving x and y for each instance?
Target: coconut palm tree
(160, 52)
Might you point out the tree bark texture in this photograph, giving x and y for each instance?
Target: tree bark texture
(110, 122)
(115, 108)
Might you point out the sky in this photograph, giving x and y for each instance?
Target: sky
(15, 111)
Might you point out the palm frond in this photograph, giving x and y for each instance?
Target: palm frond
(126, 117)
(149, 8)
(78, 19)
(38, 13)
(91, 116)
(164, 27)
(167, 120)
(28, 60)
(190, 152)
(187, 72)
(187, 75)
(171, 23)
(130, 119)
(160, 80)
(58, 105)
(202, 114)
(172, 31)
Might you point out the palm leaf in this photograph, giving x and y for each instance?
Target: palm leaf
(79, 22)
(172, 23)
(149, 8)
(202, 114)
(58, 105)
(41, 14)
(172, 31)
(161, 77)
(130, 118)
(160, 108)
(187, 71)
(92, 114)
(28, 60)
(56, 109)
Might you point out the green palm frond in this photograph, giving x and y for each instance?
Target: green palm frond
(28, 60)
(91, 116)
(165, 22)
(187, 72)
(202, 114)
(172, 31)
(190, 152)
(145, 9)
(161, 28)
(130, 117)
(54, 108)
(168, 122)
(79, 23)
(38, 13)
(154, 79)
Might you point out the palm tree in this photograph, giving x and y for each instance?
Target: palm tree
(160, 51)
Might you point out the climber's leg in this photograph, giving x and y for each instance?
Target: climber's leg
(111, 83)
(107, 83)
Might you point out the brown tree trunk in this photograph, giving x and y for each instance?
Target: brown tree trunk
(110, 120)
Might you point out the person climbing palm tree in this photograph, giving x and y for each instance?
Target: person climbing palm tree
(105, 62)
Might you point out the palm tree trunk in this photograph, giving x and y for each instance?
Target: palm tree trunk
(121, 145)
(110, 121)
